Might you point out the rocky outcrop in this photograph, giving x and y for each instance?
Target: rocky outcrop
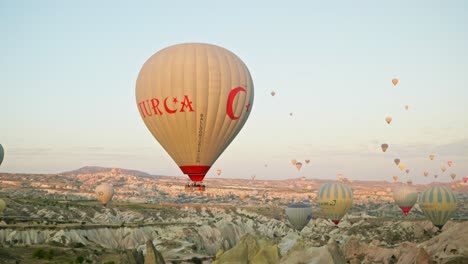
(249, 250)
(152, 255)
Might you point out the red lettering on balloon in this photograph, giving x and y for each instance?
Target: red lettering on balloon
(231, 97)
(143, 109)
(155, 103)
(168, 110)
(186, 103)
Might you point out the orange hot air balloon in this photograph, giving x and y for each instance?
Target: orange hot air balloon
(218, 172)
(426, 173)
(431, 157)
(449, 163)
(397, 161)
(273, 93)
(395, 178)
(407, 171)
(384, 147)
(395, 81)
(443, 169)
(298, 166)
(388, 119)
(465, 179)
(194, 98)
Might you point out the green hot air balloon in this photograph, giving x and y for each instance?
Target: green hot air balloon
(299, 215)
(405, 197)
(438, 204)
(335, 199)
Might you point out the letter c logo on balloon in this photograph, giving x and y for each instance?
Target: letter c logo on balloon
(230, 102)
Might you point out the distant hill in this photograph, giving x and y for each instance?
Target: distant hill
(96, 169)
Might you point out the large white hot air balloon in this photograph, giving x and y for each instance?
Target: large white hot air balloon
(194, 98)
(299, 215)
(104, 193)
(405, 197)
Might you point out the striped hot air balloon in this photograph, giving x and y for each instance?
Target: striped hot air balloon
(335, 199)
(438, 204)
(299, 215)
(405, 197)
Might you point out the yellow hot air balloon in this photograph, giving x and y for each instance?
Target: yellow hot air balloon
(405, 197)
(2, 154)
(299, 215)
(395, 178)
(401, 166)
(450, 163)
(384, 147)
(426, 173)
(438, 204)
(194, 98)
(431, 157)
(218, 172)
(443, 169)
(298, 166)
(2, 205)
(273, 93)
(397, 161)
(395, 81)
(293, 162)
(388, 119)
(104, 193)
(335, 199)
(453, 175)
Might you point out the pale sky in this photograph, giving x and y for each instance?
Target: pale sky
(68, 72)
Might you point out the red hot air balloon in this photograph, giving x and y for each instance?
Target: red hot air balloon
(450, 163)
(465, 179)
(194, 98)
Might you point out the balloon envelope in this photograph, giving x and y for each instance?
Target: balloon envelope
(438, 204)
(395, 178)
(335, 199)
(450, 163)
(104, 193)
(2, 154)
(401, 166)
(299, 215)
(405, 197)
(395, 81)
(397, 161)
(443, 168)
(298, 166)
(431, 157)
(307, 161)
(194, 98)
(293, 162)
(273, 93)
(453, 175)
(465, 179)
(426, 173)
(388, 119)
(218, 172)
(384, 147)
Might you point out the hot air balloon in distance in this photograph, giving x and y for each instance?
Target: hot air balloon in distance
(405, 197)
(426, 173)
(291, 114)
(266, 165)
(2, 154)
(2, 205)
(458, 185)
(395, 81)
(293, 162)
(435, 176)
(453, 176)
(299, 215)
(388, 119)
(431, 157)
(335, 199)
(395, 178)
(104, 193)
(407, 107)
(388, 190)
(307, 161)
(443, 169)
(397, 161)
(309, 187)
(218, 172)
(450, 163)
(465, 179)
(193, 108)
(339, 176)
(401, 166)
(407, 171)
(253, 177)
(384, 147)
(298, 166)
(438, 204)
(273, 93)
